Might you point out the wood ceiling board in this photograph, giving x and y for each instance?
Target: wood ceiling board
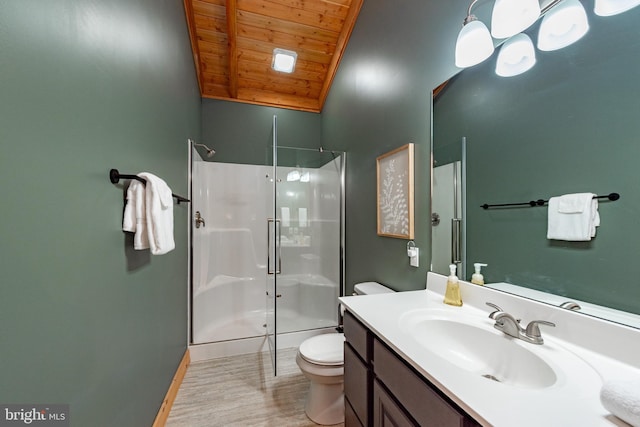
(286, 40)
(256, 20)
(287, 13)
(207, 8)
(266, 58)
(322, 7)
(211, 23)
(272, 82)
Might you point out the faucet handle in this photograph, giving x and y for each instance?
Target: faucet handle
(533, 331)
(497, 309)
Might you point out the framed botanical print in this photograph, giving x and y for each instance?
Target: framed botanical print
(395, 193)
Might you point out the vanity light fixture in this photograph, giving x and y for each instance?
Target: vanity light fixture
(516, 56)
(284, 60)
(613, 7)
(564, 22)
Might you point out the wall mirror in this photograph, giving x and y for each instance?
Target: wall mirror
(570, 124)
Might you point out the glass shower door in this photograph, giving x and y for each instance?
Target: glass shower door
(307, 216)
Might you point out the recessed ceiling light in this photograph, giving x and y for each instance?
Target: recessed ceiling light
(284, 60)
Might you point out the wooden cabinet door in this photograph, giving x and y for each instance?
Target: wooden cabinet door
(386, 412)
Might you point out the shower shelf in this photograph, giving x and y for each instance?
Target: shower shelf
(114, 177)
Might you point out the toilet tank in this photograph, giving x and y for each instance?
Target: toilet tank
(369, 288)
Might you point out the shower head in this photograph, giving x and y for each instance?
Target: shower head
(210, 151)
(322, 150)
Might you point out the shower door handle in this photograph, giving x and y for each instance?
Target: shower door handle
(277, 235)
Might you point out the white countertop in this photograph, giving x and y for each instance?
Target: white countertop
(573, 400)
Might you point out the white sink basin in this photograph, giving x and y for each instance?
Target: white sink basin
(473, 345)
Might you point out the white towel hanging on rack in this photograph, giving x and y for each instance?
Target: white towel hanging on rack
(159, 214)
(573, 217)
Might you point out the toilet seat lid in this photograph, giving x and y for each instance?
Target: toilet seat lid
(326, 349)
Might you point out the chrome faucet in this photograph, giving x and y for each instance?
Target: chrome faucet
(508, 324)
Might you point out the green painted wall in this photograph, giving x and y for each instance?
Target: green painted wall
(241, 133)
(87, 85)
(380, 100)
(568, 125)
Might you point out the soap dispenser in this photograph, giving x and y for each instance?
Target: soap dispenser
(477, 277)
(452, 294)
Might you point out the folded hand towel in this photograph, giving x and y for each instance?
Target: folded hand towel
(574, 203)
(573, 217)
(622, 399)
(159, 214)
(135, 219)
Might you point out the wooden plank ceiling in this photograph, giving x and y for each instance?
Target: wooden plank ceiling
(233, 42)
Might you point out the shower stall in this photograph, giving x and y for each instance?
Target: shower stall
(267, 245)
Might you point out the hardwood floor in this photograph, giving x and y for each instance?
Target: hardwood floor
(242, 391)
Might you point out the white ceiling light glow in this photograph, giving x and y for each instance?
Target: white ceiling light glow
(284, 60)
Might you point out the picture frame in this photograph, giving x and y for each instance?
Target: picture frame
(395, 193)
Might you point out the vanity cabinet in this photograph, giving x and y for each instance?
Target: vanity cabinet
(381, 389)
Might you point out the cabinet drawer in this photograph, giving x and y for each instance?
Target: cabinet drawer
(358, 336)
(357, 378)
(386, 412)
(418, 398)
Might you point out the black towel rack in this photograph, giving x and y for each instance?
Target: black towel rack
(540, 202)
(114, 177)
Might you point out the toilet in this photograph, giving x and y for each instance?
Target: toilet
(321, 360)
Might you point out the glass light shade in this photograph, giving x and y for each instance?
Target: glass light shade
(305, 177)
(511, 17)
(613, 7)
(474, 44)
(516, 56)
(563, 25)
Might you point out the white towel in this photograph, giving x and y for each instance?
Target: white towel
(135, 219)
(622, 399)
(573, 217)
(159, 213)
